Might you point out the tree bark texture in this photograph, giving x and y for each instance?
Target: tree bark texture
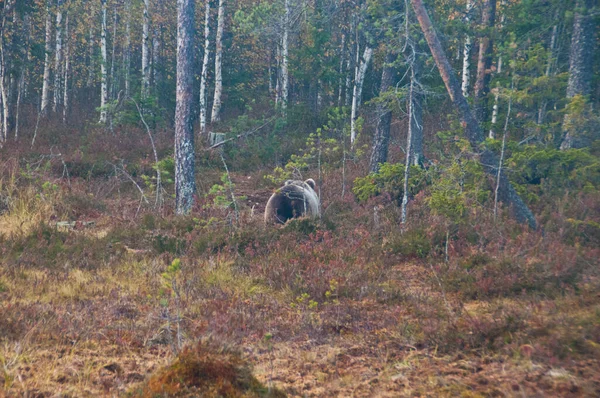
(127, 49)
(103, 71)
(484, 63)
(57, 56)
(357, 93)
(581, 59)
(285, 79)
(474, 133)
(48, 50)
(381, 140)
(466, 73)
(146, 50)
(204, 76)
(216, 108)
(185, 185)
(66, 70)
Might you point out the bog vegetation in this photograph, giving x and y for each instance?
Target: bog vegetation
(457, 249)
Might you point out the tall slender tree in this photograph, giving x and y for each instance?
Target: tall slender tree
(466, 72)
(103, 71)
(216, 108)
(361, 71)
(204, 76)
(484, 63)
(381, 138)
(146, 50)
(185, 185)
(58, 55)
(45, 101)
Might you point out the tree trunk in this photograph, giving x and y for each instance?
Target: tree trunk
(57, 56)
(496, 106)
(204, 76)
(23, 73)
(381, 139)
(92, 63)
(103, 71)
(484, 63)
(549, 65)
(466, 73)
(48, 50)
(216, 108)
(4, 75)
(474, 133)
(416, 117)
(341, 73)
(185, 185)
(156, 59)
(146, 50)
(581, 60)
(113, 83)
(66, 71)
(127, 50)
(411, 125)
(285, 78)
(357, 93)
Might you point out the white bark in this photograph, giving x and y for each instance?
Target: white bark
(340, 82)
(285, 78)
(66, 71)
(127, 49)
(113, 84)
(146, 50)
(216, 109)
(104, 82)
(466, 74)
(91, 66)
(57, 56)
(48, 50)
(409, 137)
(203, 99)
(492, 134)
(357, 93)
(155, 58)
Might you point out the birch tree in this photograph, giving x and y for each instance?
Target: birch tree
(185, 185)
(103, 71)
(216, 108)
(45, 101)
(127, 49)
(58, 55)
(66, 70)
(484, 63)
(203, 77)
(466, 73)
(146, 50)
(357, 93)
(285, 77)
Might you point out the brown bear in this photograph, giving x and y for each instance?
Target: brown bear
(295, 199)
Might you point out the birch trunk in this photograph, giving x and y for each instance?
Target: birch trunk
(185, 185)
(474, 133)
(381, 139)
(496, 106)
(285, 78)
(91, 65)
(66, 71)
(57, 56)
(484, 63)
(341, 72)
(48, 49)
(203, 77)
(113, 83)
(146, 50)
(581, 61)
(466, 74)
(127, 50)
(216, 108)
(357, 93)
(549, 65)
(104, 74)
(156, 59)
(23, 73)
(4, 83)
(409, 136)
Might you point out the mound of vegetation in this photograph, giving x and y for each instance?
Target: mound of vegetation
(205, 370)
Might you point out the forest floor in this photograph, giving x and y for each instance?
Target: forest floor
(317, 309)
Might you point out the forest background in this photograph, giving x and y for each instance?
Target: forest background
(458, 243)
